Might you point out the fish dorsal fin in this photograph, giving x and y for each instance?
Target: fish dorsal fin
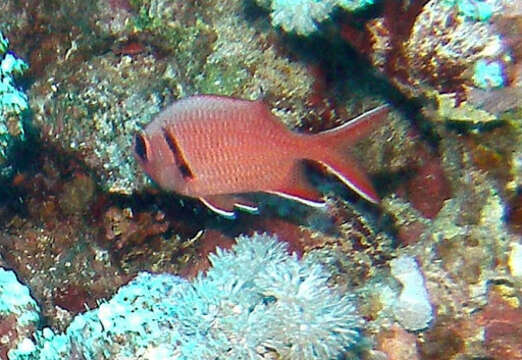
(297, 188)
(224, 204)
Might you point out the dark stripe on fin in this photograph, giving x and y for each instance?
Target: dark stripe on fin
(181, 163)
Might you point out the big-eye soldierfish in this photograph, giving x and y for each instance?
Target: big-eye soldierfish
(215, 148)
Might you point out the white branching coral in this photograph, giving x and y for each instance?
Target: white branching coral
(302, 16)
(254, 299)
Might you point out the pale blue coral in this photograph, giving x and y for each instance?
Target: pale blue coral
(412, 308)
(488, 74)
(475, 10)
(254, 297)
(302, 16)
(316, 312)
(354, 4)
(13, 101)
(16, 300)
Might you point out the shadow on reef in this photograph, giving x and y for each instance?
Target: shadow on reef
(55, 218)
(24, 158)
(348, 74)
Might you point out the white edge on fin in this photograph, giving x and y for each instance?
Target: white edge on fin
(224, 213)
(249, 209)
(347, 182)
(311, 203)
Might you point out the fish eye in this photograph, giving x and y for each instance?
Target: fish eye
(140, 146)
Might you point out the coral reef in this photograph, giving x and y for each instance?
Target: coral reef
(442, 49)
(413, 309)
(90, 106)
(78, 220)
(301, 16)
(255, 299)
(501, 321)
(19, 313)
(13, 102)
(398, 344)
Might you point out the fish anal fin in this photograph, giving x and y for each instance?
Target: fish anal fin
(349, 173)
(245, 204)
(297, 188)
(224, 204)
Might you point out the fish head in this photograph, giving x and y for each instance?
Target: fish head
(154, 154)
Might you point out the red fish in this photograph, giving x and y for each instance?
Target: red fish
(215, 148)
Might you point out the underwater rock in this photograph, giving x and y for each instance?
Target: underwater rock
(412, 309)
(102, 69)
(398, 344)
(443, 50)
(91, 106)
(501, 319)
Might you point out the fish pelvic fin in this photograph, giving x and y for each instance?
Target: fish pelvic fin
(225, 204)
(332, 151)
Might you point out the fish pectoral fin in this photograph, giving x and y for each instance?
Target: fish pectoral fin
(224, 204)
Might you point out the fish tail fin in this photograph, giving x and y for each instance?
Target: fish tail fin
(355, 129)
(332, 146)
